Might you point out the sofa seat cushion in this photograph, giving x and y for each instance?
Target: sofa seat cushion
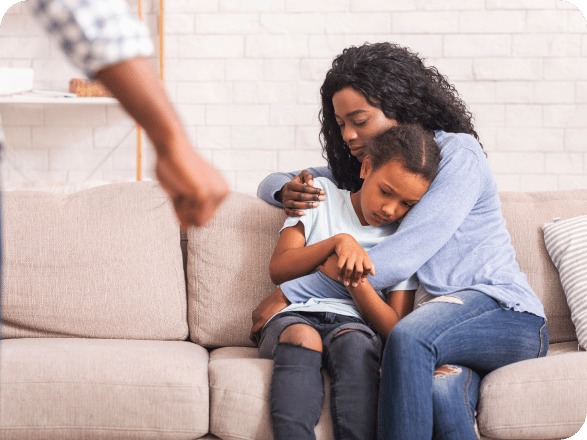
(539, 398)
(239, 396)
(60, 388)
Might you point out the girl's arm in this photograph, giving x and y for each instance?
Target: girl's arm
(381, 315)
(293, 259)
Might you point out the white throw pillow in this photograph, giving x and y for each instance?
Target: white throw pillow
(566, 243)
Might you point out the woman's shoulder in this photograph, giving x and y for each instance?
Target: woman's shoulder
(454, 143)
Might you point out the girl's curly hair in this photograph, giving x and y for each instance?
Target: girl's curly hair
(410, 145)
(395, 80)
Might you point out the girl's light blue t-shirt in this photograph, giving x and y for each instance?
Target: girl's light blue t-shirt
(455, 238)
(336, 215)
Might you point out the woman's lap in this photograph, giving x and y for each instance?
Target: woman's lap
(470, 328)
(466, 328)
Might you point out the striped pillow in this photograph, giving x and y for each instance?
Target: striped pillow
(566, 243)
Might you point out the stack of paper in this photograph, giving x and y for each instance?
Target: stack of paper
(13, 80)
(44, 94)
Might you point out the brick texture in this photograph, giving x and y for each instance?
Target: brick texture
(244, 75)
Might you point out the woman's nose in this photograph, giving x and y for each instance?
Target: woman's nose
(348, 133)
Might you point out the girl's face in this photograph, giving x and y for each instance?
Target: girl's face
(358, 120)
(388, 192)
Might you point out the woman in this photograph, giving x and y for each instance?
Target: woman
(485, 315)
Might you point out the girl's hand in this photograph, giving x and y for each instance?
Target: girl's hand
(299, 193)
(274, 303)
(353, 262)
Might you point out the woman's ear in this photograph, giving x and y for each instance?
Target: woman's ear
(366, 167)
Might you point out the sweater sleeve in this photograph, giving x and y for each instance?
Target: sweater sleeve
(274, 182)
(433, 221)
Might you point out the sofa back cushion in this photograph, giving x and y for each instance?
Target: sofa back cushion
(228, 262)
(524, 214)
(228, 270)
(103, 262)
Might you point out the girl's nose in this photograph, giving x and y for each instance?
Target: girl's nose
(389, 210)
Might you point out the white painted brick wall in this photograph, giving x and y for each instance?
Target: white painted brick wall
(244, 76)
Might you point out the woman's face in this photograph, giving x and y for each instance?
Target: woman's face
(358, 120)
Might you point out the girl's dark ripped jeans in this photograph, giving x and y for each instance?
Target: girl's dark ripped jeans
(468, 330)
(297, 390)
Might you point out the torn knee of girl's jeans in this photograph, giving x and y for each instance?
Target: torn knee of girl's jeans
(445, 299)
(446, 371)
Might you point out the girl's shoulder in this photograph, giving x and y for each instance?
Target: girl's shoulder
(326, 184)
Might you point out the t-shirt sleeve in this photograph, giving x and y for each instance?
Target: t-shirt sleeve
(310, 216)
(274, 182)
(411, 283)
(433, 221)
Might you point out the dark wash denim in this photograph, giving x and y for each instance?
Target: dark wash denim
(478, 334)
(297, 391)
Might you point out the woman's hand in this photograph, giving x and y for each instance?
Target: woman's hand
(274, 303)
(350, 263)
(299, 193)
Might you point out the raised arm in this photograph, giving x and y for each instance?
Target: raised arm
(196, 188)
(107, 41)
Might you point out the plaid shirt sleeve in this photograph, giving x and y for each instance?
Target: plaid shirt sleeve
(94, 33)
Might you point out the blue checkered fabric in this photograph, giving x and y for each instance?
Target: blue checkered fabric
(94, 33)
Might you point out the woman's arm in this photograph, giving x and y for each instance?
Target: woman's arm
(433, 221)
(293, 259)
(381, 315)
(293, 191)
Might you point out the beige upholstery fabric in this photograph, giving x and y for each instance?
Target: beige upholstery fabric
(524, 214)
(70, 388)
(537, 398)
(103, 262)
(239, 396)
(228, 270)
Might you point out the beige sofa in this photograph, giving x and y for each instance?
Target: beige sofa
(116, 328)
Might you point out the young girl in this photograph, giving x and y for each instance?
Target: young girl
(323, 324)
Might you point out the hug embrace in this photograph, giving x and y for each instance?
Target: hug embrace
(407, 202)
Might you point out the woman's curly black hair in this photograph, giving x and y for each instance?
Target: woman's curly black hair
(395, 80)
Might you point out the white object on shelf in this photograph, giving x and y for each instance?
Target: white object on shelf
(24, 100)
(13, 80)
(44, 93)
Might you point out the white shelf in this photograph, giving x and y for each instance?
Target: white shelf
(50, 100)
